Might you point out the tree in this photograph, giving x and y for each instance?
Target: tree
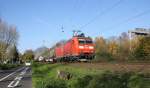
(13, 54)
(46, 53)
(143, 50)
(8, 37)
(124, 45)
(28, 55)
(100, 45)
(101, 49)
(39, 51)
(113, 46)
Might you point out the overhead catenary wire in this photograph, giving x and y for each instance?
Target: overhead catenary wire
(130, 19)
(101, 14)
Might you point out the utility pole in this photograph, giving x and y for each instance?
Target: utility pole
(130, 38)
(62, 29)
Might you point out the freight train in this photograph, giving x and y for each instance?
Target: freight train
(78, 48)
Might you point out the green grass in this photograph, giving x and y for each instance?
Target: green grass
(45, 76)
(8, 66)
(49, 71)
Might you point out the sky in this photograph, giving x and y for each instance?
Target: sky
(40, 22)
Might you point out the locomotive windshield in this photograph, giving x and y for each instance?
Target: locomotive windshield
(81, 41)
(85, 41)
(88, 41)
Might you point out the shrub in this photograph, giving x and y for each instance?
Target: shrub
(7, 66)
(138, 81)
(83, 82)
(51, 83)
(112, 80)
(106, 81)
(103, 57)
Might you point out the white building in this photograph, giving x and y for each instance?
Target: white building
(139, 32)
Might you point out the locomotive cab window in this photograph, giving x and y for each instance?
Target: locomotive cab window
(84, 41)
(81, 41)
(88, 41)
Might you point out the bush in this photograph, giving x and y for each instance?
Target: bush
(106, 81)
(138, 81)
(112, 80)
(7, 66)
(83, 82)
(51, 83)
(103, 57)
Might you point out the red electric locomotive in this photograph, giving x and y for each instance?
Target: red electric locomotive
(78, 48)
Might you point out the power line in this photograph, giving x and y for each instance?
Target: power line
(131, 18)
(101, 13)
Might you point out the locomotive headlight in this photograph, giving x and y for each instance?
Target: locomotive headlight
(91, 47)
(81, 47)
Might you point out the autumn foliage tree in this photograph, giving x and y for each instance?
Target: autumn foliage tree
(122, 48)
(113, 46)
(143, 50)
(101, 49)
(100, 45)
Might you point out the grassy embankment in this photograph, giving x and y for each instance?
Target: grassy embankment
(45, 76)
